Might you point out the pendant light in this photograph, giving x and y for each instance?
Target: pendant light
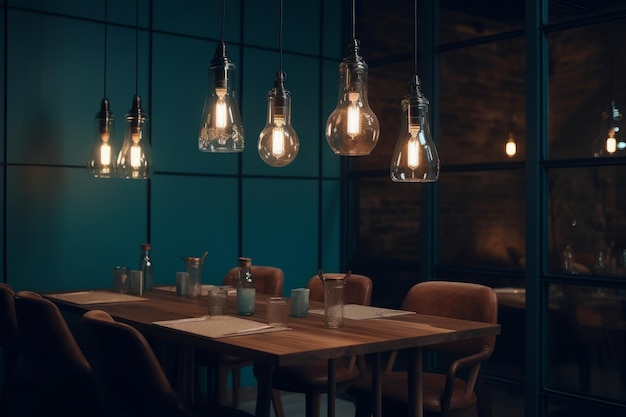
(278, 142)
(352, 129)
(415, 157)
(510, 148)
(134, 160)
(221, 128)
(101, 160)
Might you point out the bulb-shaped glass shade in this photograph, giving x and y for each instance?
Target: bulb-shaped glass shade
(415, 157)
(134, 160)
(612, 139)
(511, 147)
(221, 128)
(278, 141)
(101, 161)
(352, 129)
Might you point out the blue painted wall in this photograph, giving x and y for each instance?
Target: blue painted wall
(64, 230)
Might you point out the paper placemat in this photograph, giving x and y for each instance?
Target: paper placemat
(204, 290)
(219, 326)
(95, 297)
(361, 312)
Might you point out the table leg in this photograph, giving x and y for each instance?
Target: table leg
(332, 388)
(264, 373)
(377, 388)
(414, 382)
(186, 374)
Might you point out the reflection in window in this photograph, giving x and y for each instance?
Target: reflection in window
(587, 220)
(587, 92)
(482, 103)
(587, 340)
(482, 219)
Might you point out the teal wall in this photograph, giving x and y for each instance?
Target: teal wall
(64, 230)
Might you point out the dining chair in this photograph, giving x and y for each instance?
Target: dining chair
(311, 378)
(64, 384)
(269, 280)
(9, 342)
(128, 377)
(450, 393)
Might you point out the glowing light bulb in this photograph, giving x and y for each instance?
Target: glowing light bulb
(352, 128)
(134, 160)
(221, 128)
(99, 162)
(611, 141)
(511, 147)
(278, 141)
(415, 157)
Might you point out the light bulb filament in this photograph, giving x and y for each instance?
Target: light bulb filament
(221, 111)
(278, 136)
(511, 147)
(135, 156)
(105, 154)
(413, 152)
(354, 115)
(611, 142)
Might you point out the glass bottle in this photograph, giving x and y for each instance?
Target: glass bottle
(145, 266)
(246, 290)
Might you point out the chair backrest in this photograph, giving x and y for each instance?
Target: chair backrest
(127, 375)
(268, 279)
(460, 300)
(9, 334)
(47, 340)
(357, 289)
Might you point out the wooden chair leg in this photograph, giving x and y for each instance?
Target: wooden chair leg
(313, 404)
(278, 403)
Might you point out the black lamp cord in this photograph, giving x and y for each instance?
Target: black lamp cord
(353, 19)
(415, 37)
(280, 39)
(137, 47)
(105, 47)
(223, 19)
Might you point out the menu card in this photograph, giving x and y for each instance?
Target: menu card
(361, 312)
(95, 297)
(219, 326)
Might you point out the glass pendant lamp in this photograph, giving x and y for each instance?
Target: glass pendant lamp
(278, 142)
(352, 129)
(511, 147)
(101, 160)
(221, 128)
(134, 160)
(415, 157)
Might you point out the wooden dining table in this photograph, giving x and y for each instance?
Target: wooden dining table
(306, 339)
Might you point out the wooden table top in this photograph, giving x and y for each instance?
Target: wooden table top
(307, 340)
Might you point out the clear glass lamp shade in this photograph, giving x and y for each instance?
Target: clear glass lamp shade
(221, 128)
(415, 157)
(352, 129)
(278, 141)
(134, 160)
(101, 161)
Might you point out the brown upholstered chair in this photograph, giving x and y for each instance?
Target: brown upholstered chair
(269, 280)
(311, 378)
(9, 342)
(64, 385)
(445, 394)
(129, 379)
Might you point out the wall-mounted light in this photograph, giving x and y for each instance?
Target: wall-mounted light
(415, 157)
(352, 129)
(278, 142)
(221, 128)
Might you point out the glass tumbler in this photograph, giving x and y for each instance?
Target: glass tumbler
(277, 312)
